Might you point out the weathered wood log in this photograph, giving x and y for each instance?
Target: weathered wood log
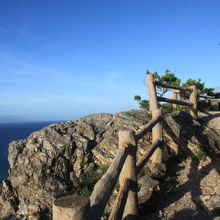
(174, 96)
(73, 207)
(170, 86)
(148, 127)
(182, 95)
(150, 150)
(104, 187)
(157, 133)
(152, 93)
(129, 171)
(120, 201)
(193, 100)
(157, 129)
(162, 99)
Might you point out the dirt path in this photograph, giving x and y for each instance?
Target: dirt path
(187, 191)
(211, 118)
(191, 188)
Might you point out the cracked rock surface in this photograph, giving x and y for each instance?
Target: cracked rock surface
(51, 160)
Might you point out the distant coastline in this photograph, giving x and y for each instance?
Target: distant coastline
(10, 131)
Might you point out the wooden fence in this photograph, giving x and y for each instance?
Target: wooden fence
(124, 167)
(213, 100)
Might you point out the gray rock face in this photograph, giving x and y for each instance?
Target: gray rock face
(52, 159)
(8, 200)
(147, 186)
(185, 132)
(214, 202)
(48, 161)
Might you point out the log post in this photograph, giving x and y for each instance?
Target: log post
(152, 93)
(120, 201)
(157, 135)
(72, 207)
(157, 130)
(144, 159)
(127, 138)
(148, 127)
(174, 96)
(104, 187)
(181, 95)
(193, 100)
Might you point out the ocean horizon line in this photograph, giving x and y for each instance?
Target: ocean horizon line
(40, 121)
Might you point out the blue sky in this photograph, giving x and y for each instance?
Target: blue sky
(60, 60)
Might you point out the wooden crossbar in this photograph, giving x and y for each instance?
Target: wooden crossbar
(150, 150)
(104, 187)
(178, 102)
(148, 127)
(124, 168)
(170, 86)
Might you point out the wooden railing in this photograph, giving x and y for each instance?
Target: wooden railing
(212, 100)
(177, 90)
(124, 167)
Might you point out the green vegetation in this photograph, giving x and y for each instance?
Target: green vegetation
(199, 85)
(144, 104)
(145, 171)
(170, 78)
(200, 153)
(170, 179)
(84, 185)
(168, 108)
(103, 168)
(202, 104)
(170, 183)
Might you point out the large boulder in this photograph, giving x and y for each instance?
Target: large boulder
(51, 160)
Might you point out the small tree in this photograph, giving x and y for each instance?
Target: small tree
(202, 104)
(143, 104)
(199, 85)
(168, 77)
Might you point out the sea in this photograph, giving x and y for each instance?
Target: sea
(15, 131)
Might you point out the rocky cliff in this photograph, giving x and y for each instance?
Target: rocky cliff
(50, 161)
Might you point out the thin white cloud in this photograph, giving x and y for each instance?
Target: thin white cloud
(50, 44)
(30, 99)
(3, 29)
(11, 66)
(114, 75)
(19, 71)
(111, 81)
(27, 74)
(4, 117)
(79, 56)
(24, 29)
